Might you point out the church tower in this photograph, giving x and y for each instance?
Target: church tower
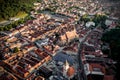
(65, 68)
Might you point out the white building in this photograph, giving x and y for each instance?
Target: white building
(90, 23)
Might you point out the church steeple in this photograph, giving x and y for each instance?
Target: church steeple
(65, 68)
(66, 63)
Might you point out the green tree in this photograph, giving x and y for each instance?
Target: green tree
(1, 28)
(99, 18)
(9, 8)
(112, 37)
(9, 26)
(85, 18)
(15, 50)
(6, 28)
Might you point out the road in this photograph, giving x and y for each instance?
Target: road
(81, 73)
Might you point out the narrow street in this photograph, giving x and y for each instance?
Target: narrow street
(81, 72)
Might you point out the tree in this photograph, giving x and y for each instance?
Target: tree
(103, 26)
(1, 28)
(9, 26)
(15, 50)
(99, 18)
(6, 28)
(85, 18)
(1, 56)
(112, 37)
(9, 8)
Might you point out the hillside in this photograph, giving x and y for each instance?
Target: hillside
(10, 8)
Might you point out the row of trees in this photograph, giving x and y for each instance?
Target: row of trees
(9, 8)
(112, 37)
(97, 18)
(11, 25)
(15, 24)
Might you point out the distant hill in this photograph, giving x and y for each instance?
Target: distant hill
(10, 8)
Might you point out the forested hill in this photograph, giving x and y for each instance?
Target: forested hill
(9, 8)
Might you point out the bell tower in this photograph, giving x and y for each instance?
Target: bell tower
(65, 68)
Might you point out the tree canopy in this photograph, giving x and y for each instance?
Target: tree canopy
(15, 50)
(10, 8)
(112, 37)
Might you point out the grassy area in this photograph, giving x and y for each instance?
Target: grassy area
(21, 15)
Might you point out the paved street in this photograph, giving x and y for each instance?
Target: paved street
(81, 73)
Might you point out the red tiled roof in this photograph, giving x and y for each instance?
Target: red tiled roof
(69, 49)
(71, 71)
(39, 78)
(96, 65)
(88, 48)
